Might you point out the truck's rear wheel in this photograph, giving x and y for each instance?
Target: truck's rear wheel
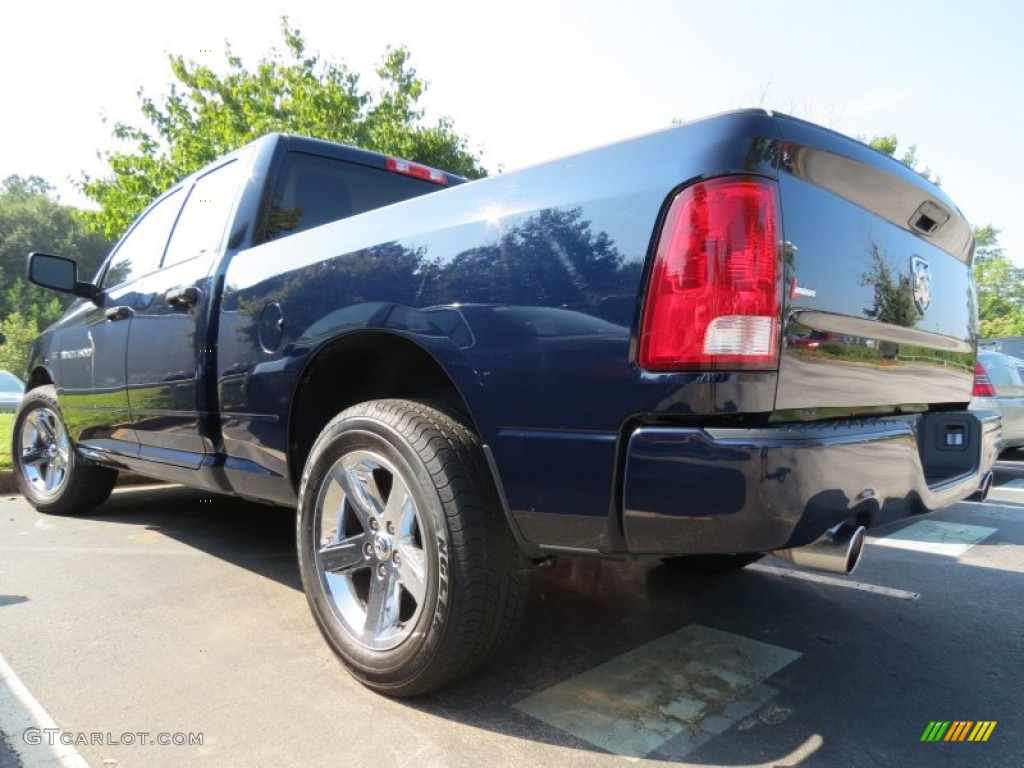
(50, 475)
(407, 563)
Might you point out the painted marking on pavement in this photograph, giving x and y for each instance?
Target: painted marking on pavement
(950, 539)
(996, 508)
(20, 711)
(1000, 494)
(666, 698)
(818, 578)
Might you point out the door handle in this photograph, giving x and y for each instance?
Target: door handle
(118, 313)
(181, 298)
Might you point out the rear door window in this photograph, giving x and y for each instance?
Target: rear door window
(141, 250)
(200, 227)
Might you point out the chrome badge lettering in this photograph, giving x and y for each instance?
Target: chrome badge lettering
(75, 354)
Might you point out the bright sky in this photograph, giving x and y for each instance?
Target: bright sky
(528, 81)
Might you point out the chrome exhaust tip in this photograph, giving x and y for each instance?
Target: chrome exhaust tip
(838, 551)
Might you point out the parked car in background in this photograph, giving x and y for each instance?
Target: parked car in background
(1008, 345)
(12, 389)
(999, 386)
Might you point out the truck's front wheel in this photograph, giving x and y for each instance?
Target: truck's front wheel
(50, 475)
(407, 563)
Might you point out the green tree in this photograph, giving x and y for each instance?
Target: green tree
(17, 333)
(208, 114)
(1000, 286)
(889, 144)
(986, 244)
(31, 220)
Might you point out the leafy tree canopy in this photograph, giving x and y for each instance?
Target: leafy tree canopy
(18, 333)
(31, 220)
(208, 114)
(986, 244)
(889, 144)
(1000, 286)
(18, 188)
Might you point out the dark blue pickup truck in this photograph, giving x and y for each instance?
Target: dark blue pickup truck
(743, 335)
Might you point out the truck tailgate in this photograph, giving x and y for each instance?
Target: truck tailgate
(879, 308)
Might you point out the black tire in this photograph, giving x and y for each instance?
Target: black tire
(51, 476)
(712, 564)
(406, 559)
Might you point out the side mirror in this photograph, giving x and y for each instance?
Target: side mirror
(58, 274)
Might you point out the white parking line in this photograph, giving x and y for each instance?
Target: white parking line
(817, 578)
(1002, 494)
(19, 712)
(996, 508)
(935, 537)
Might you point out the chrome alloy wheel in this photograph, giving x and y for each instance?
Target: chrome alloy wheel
(369, 549)
(45, 451)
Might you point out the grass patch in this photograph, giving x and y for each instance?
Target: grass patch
(6, 426)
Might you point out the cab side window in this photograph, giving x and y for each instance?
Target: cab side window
(200, 227)
(140, 251)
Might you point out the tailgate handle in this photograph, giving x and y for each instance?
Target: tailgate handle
(928, 218)
(183, 297)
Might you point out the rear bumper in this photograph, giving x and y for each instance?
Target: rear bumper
(693, 491)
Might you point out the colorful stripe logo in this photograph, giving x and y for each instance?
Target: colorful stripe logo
(958, 730)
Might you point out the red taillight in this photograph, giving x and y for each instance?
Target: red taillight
(416, 170)
(714, 295)
(982, 384)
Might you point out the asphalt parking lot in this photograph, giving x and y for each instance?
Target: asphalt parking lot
(178, 615)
